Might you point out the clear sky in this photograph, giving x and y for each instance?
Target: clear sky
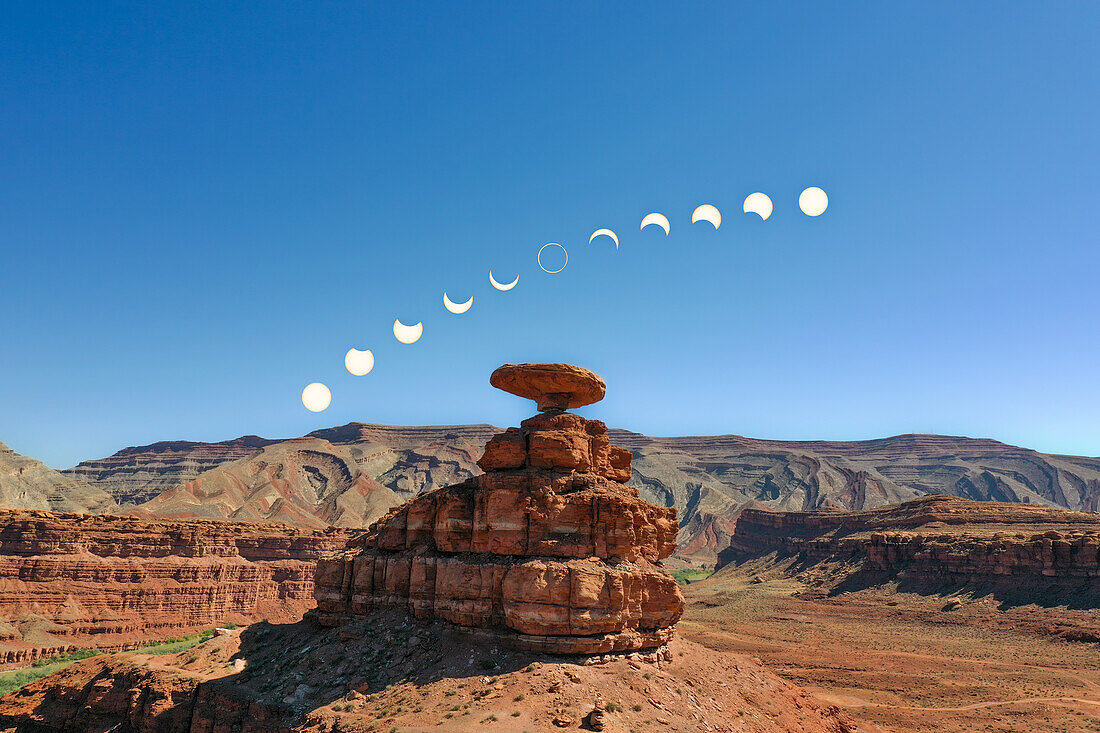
(204, 205)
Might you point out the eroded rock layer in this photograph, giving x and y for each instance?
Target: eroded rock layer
(549, 547)
(935, 538)
(97, 580)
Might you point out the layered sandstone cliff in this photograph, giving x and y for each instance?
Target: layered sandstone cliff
(548, 550)
(936, 538)
(77, 580)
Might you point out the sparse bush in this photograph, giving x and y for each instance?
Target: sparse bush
(518, 697)
(72, 656)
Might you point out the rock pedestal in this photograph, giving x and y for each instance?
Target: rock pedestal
(548, 550)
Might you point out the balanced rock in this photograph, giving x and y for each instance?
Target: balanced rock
(548, 550)
(552, 386)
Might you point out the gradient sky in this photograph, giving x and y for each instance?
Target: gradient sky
(204, 205)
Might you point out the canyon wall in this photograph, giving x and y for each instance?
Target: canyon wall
(78, 580)
(935, 538)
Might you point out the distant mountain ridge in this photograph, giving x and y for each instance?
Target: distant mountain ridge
(351, 474)
(29, 484)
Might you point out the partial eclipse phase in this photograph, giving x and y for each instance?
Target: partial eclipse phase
(707, 212)
(605, 233)
(498, 286)
(458, 308)
(407, 334)
(759, 204)
(659, 219)
(359, 362)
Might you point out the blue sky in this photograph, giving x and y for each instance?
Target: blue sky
(203, 206)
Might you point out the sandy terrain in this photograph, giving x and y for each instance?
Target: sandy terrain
(900, 661)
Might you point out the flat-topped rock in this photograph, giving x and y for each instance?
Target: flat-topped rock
(552, 386)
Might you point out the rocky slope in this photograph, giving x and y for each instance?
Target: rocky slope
(134, 475)
(29, 484)
(306, 481)
(391, 673)
(707, 479)
(76, 580)
(545, 551)
(1020, 553)
(405, 460)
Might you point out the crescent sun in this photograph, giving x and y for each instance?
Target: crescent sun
(454, 307)
(498, 286)
(758, 203)
(407, 334)
(659, 219)
(707, 212)
(359, 362)
(603, 232)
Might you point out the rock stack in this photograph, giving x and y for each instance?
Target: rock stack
(547, 551)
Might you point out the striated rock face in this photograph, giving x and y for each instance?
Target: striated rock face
(309, 482)
(29, 484)
(936, 538)
(137, 474)
(549, 549)
(97, 580)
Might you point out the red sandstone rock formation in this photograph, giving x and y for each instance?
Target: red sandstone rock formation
(77, 580)
(938, 538)
(548, 549)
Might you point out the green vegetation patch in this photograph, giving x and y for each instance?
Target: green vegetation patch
(684, 576)
(175, 645)
(16, 678)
